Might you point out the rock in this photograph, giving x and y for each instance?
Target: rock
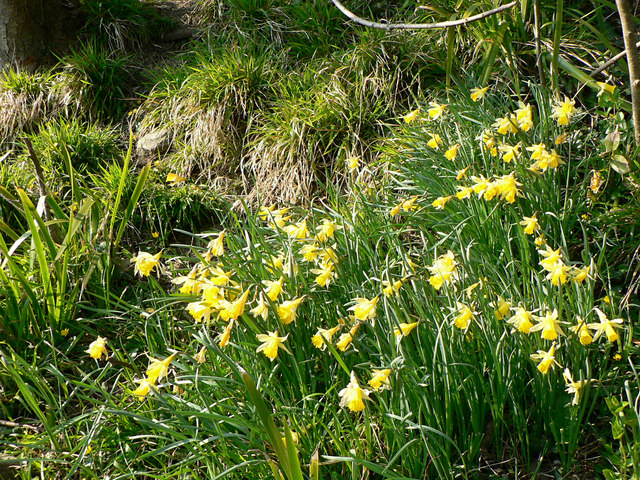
(151, 145)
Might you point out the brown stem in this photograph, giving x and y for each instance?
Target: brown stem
(419, 26)
(629, 34)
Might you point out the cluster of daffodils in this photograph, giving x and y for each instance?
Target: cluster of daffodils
(553, 263)
(504, 187)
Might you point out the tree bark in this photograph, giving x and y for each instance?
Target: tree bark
(31, 29)
(633, 60)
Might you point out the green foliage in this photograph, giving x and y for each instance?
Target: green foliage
(101, 79)
(123, 24)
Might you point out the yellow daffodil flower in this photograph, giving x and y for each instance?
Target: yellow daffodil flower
(440, 202)
(225, 336)
(216, 246)
(324, 274)
(436, 110)
(365, 309)
(465, 314)
(606, 326)
(521, 320)
(353, 395)
(380, 379)
(605, 87)
(158, 369)
(326, 334)
(509, 152)
(271, 342)
(502, 307)
(145, 262)
(326, 230)
(573, 387)
(435, 141)
(530, 224)
(412, 116)
(583, 331)
(174, 178)
(98, 348)
(274, 288)
(201, 356)
(404, 329)
(506, 125)
(346, 339)
(236, 308)
(287, 310)
(353, 163)
(143, 389)
(261, 309)
(563, 111)
(546, 359)
(478, 93)
(297, 230)
(452, 152)
(549, 324)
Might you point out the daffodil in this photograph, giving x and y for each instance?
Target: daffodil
(583, 331)
(478, 93)
(507, 187)
(326, 230)
(605, 87)
(236, 308)
(573, 388)
(261, 309)
(452, 152)
(380, 379)
(521, 319)
(549, 324)
(509, 152)
(324, 274)
(606, 326)
(545, 360)
(506, 125)
(389, 288)
(353, 163)
(436, 110)
(412, 116)
(174, 178)
(274, 288)
(200, 311)
(530, 224)
(201, 356)
(297, 230)
(465, 314)
(189, 284)
(435, 141)
(524, 116)
(158, 369)
(558, 274)
(537, 150)
(404, 329)
(143, 389)
(287, 310)
(324, 336)
(346, 339)
(145, 262)
(310, 252)
(463, 192)
(353, 395)
(216, 246)
(225, 336)
(271, 342)
(489, 142)
(579, 275)
(440, 202)
(98, 348)
(502, 307)
(564, 111)
(460, 174)
(443, 271)
(365, 309)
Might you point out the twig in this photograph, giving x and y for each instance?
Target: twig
(6, 423)
(419, 26)
(611, 61)
(39, 174)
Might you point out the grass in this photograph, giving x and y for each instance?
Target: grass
(420, 261)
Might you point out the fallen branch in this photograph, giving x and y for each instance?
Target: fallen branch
(610, 62)
(419, 26)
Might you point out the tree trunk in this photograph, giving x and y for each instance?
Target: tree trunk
(31, 29)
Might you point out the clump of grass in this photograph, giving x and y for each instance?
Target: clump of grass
(28, 99)
(209, 109)
(120, 25)
(100, 79)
